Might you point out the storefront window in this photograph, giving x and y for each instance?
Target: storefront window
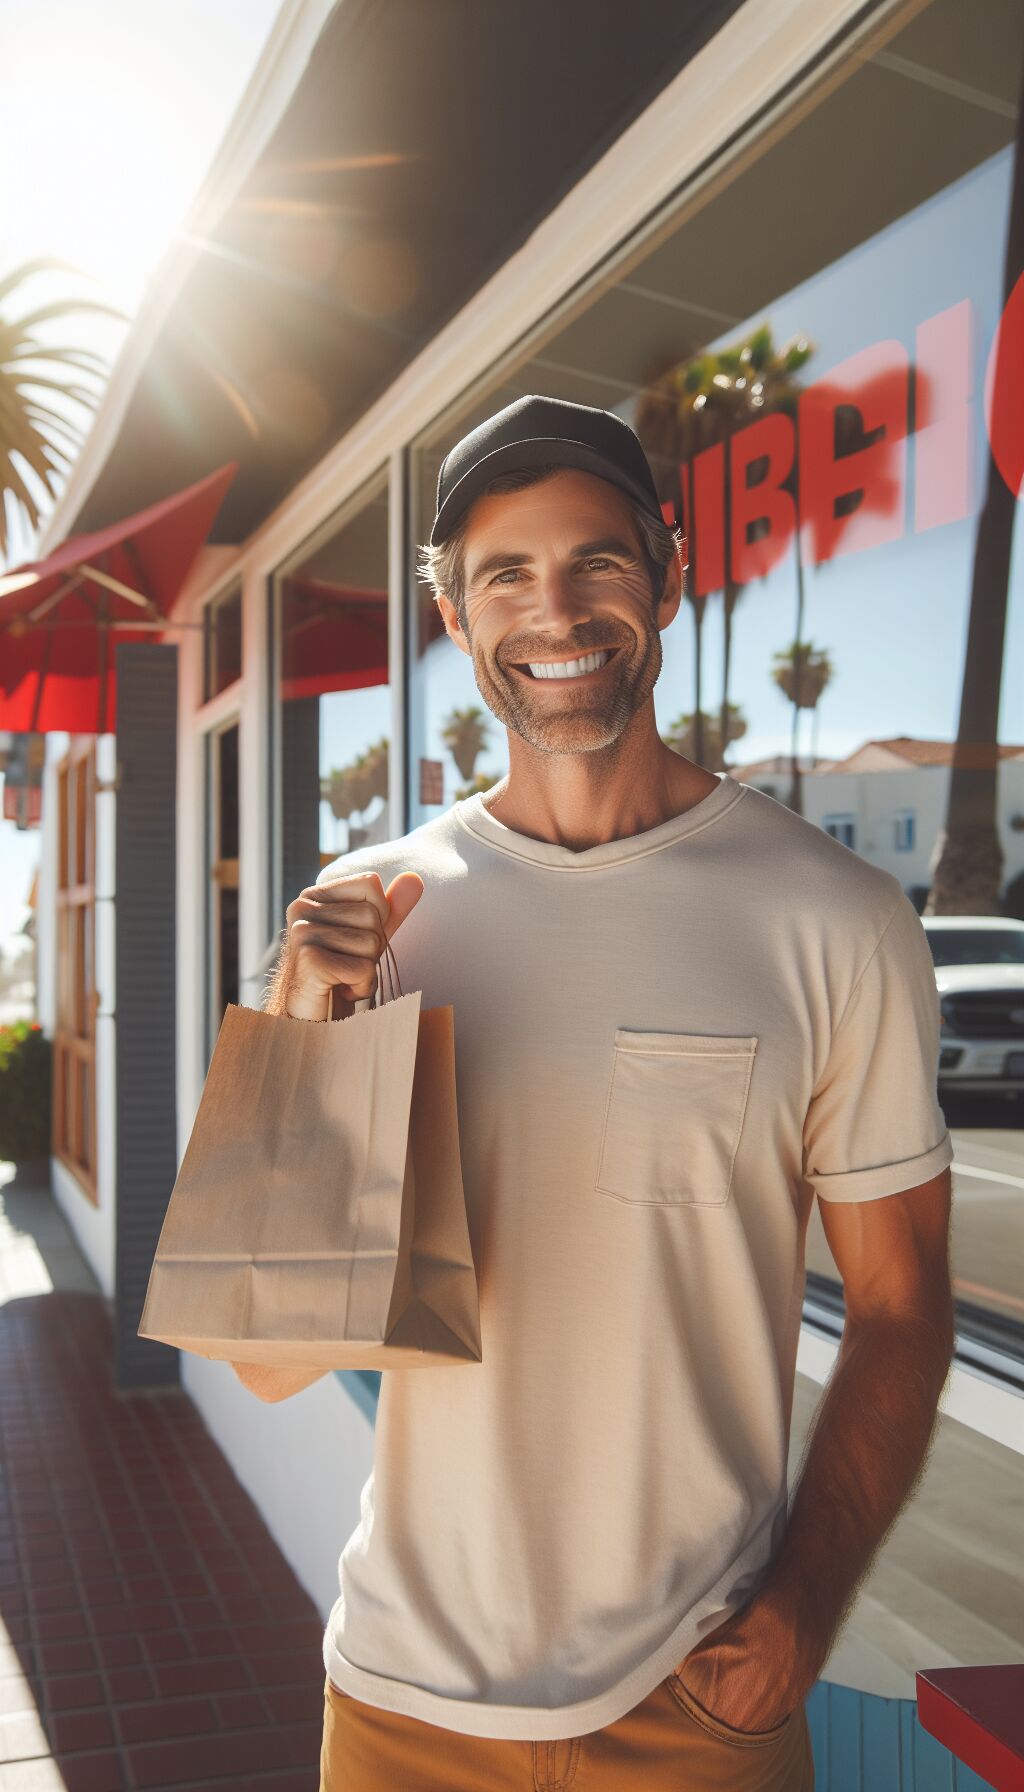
(330, 620)
(74, 1039)
(821, 350)
(222, 812)
(222, 643)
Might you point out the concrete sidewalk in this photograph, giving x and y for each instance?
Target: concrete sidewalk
(153, 1634)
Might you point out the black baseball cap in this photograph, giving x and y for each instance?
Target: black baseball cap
(533, 430)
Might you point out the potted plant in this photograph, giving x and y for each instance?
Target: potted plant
(25, 1069)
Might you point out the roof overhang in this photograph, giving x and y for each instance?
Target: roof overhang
(379, 171)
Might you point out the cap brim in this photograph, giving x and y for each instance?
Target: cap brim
(532, 453)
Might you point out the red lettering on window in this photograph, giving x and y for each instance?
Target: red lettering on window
(709, 520)
(684, 494)
(1004, 392)
(771, 438)
(853, 427)
(942, 440)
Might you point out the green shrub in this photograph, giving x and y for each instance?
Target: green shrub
(25, 1070)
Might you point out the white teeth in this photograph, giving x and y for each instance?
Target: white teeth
(569, 668)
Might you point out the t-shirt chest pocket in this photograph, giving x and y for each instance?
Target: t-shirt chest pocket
(673, 1118)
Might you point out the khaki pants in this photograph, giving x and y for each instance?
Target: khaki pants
(666, 1742)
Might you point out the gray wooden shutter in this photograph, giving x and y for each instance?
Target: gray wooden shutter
(145, 1022)
(300, 797)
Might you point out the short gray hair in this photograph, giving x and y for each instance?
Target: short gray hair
(444, 567)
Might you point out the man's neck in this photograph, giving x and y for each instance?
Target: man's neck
(579, 824)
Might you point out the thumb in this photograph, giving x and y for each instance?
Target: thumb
(401, 896)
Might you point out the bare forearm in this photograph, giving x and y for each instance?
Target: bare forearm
(866, 1454)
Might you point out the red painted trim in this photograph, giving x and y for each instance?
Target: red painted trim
(978, 1714)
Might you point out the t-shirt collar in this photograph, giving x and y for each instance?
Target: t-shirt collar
(478, 820)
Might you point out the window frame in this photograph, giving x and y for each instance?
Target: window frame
(378, 483)
(73, 1139)
(218, 873)
(847, 820)
(977, 1359)
(905, 830)
(208, 638)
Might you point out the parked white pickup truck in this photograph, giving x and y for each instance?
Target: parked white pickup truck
(979, 970)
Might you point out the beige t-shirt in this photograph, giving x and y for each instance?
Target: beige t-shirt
(665, 1045)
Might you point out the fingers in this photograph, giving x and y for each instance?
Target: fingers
(360, 940)
(401, 896)
(361, 886)
(351, 972)
(339, 930)
(361, 916)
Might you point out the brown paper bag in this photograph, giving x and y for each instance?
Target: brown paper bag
(318, 1218)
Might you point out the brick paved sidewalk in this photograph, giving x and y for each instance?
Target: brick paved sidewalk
(155, 1635)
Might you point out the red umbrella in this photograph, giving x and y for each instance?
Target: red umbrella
(60, 617)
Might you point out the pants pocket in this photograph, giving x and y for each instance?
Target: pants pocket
(722, 1731)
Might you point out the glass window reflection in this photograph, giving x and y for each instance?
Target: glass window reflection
(821, 350)
(335, 700)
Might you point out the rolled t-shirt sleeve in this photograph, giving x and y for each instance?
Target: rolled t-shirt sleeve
(874, 1125)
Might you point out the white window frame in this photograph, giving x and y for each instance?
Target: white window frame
(842, 819)
(207, 614)
(378, 481)
(904, 830)
(198, 720)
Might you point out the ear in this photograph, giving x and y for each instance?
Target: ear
(672, 595)
(450, 618)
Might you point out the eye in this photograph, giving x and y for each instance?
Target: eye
(509, 572)
(598, 560)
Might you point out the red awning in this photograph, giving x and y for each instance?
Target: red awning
(61, 617)
(333, 638)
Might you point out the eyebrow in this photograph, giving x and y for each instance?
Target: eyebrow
(604, 544)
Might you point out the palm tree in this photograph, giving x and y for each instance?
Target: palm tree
(682, 733)
(673, 427)
(464, 733)
(763, 381)
(969, 865)
(802, 671)
(697, 404)
(350, 789)
(374, 766)
(31, 430)
(336, 790)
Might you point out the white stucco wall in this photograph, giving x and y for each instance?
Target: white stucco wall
(303, 1461)
(874, 797)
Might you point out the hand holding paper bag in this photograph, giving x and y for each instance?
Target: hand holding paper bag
(318, 1219)
(337, 932)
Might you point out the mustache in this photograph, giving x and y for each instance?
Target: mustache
(577, 651)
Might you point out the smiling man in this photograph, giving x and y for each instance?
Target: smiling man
(682, 1014)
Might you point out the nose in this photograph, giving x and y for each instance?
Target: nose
(558, 604)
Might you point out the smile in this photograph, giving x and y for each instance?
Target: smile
(589, 665)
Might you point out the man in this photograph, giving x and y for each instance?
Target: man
(681, 1012)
